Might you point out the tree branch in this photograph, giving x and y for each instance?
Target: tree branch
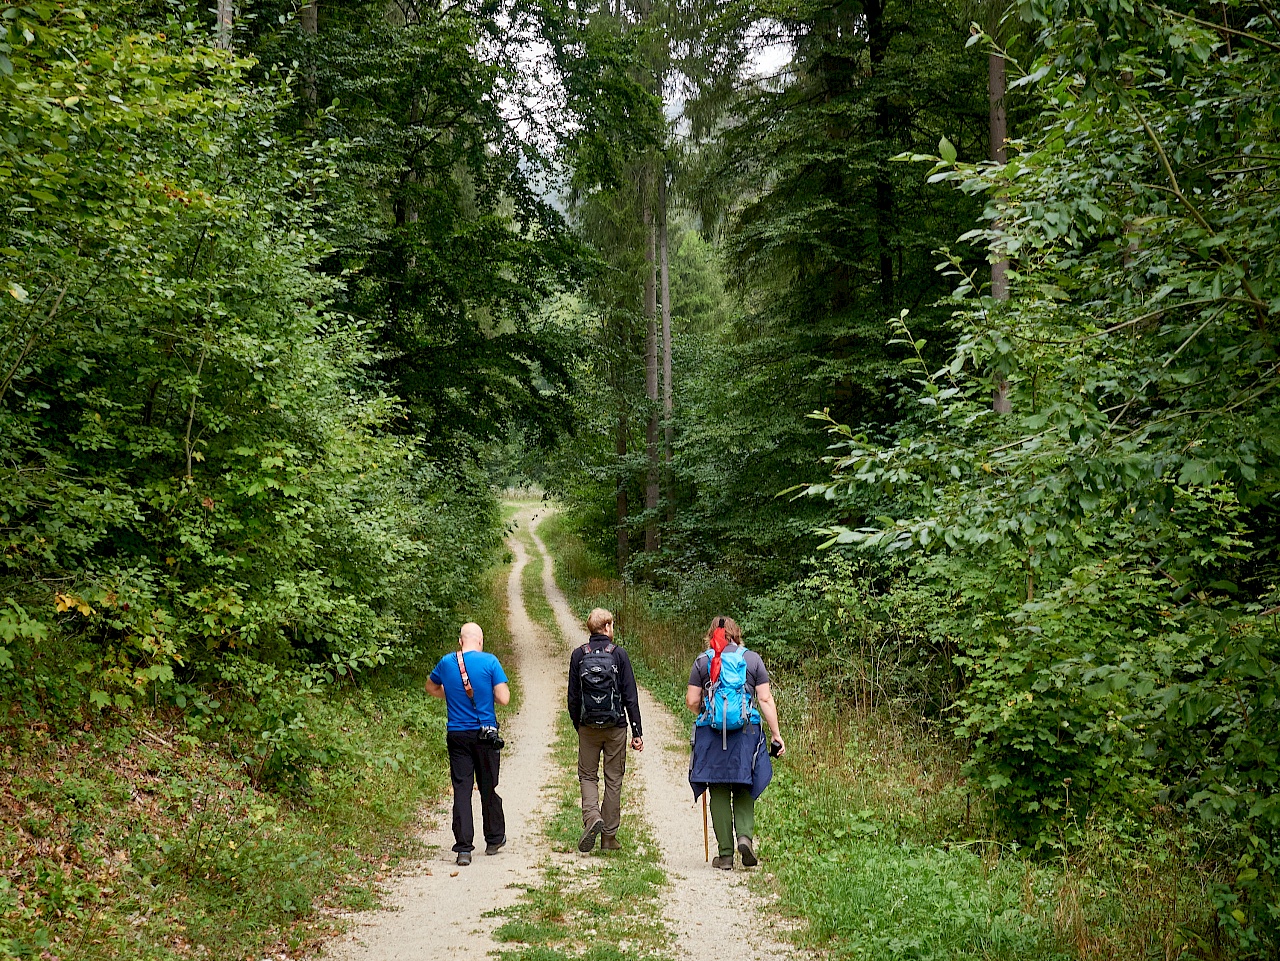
(31, 342)
(192, 415)
(1258, 306)
(1221, 28)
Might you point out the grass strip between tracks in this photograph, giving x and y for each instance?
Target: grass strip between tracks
(604, 906)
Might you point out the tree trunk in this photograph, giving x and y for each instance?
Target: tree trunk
(878, 48)
(668, 389)
(624, 540)
(650, 370)
(224, 14)
(309, 20)
(1000, 401)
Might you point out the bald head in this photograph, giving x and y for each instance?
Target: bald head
(470, 637)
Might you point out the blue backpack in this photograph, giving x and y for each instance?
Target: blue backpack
(728, 707)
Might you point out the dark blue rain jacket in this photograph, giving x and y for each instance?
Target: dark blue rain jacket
(742, 757)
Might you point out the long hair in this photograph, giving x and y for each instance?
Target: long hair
(722, 632)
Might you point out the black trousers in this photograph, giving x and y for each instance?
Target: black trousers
(472, 762)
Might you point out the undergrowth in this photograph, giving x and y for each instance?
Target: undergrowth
(125, 837)
(879, 843)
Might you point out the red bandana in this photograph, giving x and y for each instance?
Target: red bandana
(718, 644)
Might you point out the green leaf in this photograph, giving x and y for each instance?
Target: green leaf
(947, 150)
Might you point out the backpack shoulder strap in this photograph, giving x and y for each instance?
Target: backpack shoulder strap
(586, 648)
(705, 673)
(610, 648)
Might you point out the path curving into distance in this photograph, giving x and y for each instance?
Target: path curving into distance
(439, 909)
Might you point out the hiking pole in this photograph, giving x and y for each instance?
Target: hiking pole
(706, 839)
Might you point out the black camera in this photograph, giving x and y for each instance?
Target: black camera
(775, 747)
(489, 735)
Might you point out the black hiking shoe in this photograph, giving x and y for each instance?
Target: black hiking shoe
(723, 862)
(496, 846)
(464, 858)
(588, 839)
(749, 859)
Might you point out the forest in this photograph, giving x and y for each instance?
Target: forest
(935, 340)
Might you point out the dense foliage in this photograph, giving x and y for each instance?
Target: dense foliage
(1117, 532)
(252, 347)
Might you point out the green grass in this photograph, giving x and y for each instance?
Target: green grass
(535, 601)
(125, 838)
(867, 892)
(601, 907)
(131, 842)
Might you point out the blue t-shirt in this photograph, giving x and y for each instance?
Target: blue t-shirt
(485, 672)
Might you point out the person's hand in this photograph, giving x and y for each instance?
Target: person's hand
(782, 745)
(637, 744)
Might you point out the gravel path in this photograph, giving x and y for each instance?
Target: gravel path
(440, 908)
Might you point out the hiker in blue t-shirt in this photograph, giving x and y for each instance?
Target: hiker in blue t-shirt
(471, 682)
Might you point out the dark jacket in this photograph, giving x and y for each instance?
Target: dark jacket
(626, 682)
(740, 758)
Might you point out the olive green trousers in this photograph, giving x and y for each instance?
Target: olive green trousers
(733, 814)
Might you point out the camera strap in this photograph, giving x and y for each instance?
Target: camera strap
(466, 681)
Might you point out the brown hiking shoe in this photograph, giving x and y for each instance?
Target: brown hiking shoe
(724, 863)
(749, 859)
(589, 835)
(609, 843)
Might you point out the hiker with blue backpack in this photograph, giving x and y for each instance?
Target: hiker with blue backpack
(731, 760)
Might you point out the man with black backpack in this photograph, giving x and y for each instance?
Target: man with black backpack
(602, 698)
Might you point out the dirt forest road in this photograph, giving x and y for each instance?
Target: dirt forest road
(438, 910)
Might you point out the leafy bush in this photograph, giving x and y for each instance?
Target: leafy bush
(1123, 516)
(201, 481)
(880, 635)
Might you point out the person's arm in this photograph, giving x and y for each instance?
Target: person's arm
(630, 699)
(575, 688)
(434, 687)
(693, 696)
(769, 711)
(501, 694)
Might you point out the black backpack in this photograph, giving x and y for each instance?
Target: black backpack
(601, 698)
